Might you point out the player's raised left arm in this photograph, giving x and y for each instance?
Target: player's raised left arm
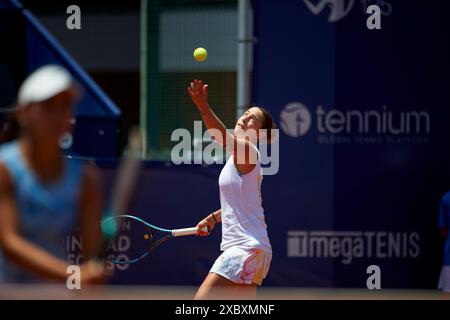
(199, 95)
(238, 147)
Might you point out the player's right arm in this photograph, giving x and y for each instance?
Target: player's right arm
(90, 212)
(19, 250)
(209, 222)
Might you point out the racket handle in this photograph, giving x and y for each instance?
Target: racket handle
(185, 232)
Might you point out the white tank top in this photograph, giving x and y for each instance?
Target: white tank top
(243, 222)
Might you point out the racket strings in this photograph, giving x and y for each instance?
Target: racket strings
(158, 242)
(131, 239)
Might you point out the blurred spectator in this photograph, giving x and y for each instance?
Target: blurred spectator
(43, 196)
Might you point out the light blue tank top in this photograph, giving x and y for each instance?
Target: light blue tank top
(46, 211)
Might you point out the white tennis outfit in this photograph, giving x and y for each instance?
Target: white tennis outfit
(247, 252)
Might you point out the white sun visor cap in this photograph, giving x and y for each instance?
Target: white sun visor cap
(45, 83)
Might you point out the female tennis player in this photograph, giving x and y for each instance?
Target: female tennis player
(247, 252)
(43, 195)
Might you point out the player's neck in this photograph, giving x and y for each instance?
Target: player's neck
(43, 158)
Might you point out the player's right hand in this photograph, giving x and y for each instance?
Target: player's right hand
(92, 272)
(207, 223)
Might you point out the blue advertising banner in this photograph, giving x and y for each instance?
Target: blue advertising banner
(363, 135)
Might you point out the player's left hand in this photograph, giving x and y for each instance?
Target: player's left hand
(199, 93)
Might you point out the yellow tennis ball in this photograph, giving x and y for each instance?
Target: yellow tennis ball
(200, 54)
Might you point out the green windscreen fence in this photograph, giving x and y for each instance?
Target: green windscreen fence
(170, 32)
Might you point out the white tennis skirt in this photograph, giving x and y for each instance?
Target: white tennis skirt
(242, 265)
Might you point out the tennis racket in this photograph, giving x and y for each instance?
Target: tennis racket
(132, 239)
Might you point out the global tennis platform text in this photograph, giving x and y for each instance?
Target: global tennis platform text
(226, 309)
